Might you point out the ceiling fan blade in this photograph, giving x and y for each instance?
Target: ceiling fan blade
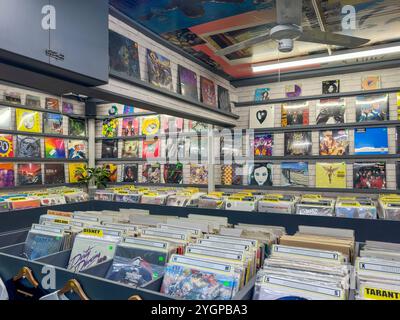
(289, 12)
(316, 36)
(244, 44)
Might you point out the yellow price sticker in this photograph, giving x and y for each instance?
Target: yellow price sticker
(61, 221)
(381, 294)
(93, 232)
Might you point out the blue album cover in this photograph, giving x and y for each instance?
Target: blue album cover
(38, 245)
(261, 94)
(294, 174)
(371, 141)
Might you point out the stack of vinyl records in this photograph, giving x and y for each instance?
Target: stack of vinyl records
(355, 207)
(238, 202)
(378, 271)
(315, 205)
(215, 200)
(158, 198)
(389, 207)
(277, 203)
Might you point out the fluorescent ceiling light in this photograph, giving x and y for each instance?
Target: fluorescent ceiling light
(326, 59)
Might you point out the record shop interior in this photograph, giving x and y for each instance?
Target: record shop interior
(212, 150)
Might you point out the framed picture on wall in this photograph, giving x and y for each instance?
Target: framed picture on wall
(187, 83)
(207, 88)
(159, 70)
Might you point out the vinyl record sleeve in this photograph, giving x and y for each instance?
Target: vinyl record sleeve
(173, 173)
(262, 94)
(54, 173)
(28, 147)
(5, 118)
(52, 104)
(130, 127)
(369, 175)
(263, 143)
(208, 95)
(294, 174)
(109, 149)
(73, 175)
(77, 149)
(53, 123)
(27, 120)
(333, 142)
(29, 174)
(331, 175)
(187, 83)
(331, 111)
(130, 173)
(151, 149)
(7, 178)
(110, 128)
(198, 174)
(130, 149)
(54, 148)
(112, 170)
(295, 113)
(371, 141)
(151, 125)
(298, 143)
(159, 70)
(40, 244)
(6, 146)
(151, 173)
(77, 127)
(260, 174)
(224, 101)
(372, 108)
(262, 117)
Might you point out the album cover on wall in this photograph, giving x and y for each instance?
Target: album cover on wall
(124, 56)
(333, 142)
(109, 149)
(372, 108)
(130, 149)
(262, 117)
(262, 94)
(232, 174)
(52, 104)
(110, 128)
(151, 173)
(330, 175)
(175, 149)
(298, 143)
(29, 174)
(331, 111)
(77, 127)
(293, 91)
(260, 174)
(112, 170)
(54, 148)
(173, 173)
(76, 149)
(208, 95)
(27, 120)
(67, 107)
(224, 101)
(198, 174)
(187, 83)
(295, 113)
(196, 126)
(151, 149)
(32, 101)
(263, 143)
(294, 174)
(6, 146)
(5, 118)
(7, 175)
(130, 173)
(371, 141)
(330, 86)
(369, 175)
(172, 124)
(28, 147)
(54, 173)
(151, 125)
(52, 123)
(130, 127)
(74, 175)
(159, 70)
(129, 110)
(371, 83)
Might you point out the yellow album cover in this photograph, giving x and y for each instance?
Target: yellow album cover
(73, 175)
(330, 175)
(27, 120)
(150, 125)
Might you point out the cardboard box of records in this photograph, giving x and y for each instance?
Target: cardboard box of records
(315, 205)
(389, 207)
(277, 203)
(243, 201)
(355, 207)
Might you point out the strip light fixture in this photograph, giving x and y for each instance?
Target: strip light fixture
(325, 59)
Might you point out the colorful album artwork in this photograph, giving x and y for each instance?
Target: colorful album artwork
(224, 101)
(52, 104)
(151, 125)
(29, 174)
(172, 124)
(151, 173)
(128, 110)
(76, 149)
(27, 120)
(198, 174)
(159, 70)
(263, 143)
(187, 83)
(232, 175)
(110, 128)
(130, 149)
(175, 149)
(12, 97)
(371, 83)
(53, 123)
(262, 94)
(260, 174)
(330, 86)
(372, 108)
(113, 110)
(54, 173)
(28, 147)
(208, 95)
(67, 107)
(331, 111)
(369, 175)
(294, 174)
(262, 117)
(5, 118)
(196, 126)
(40, 244)
(334, 142)
(151, 149)
(371, 141)
(6, 146)
(7, 175)
(124, 56)
(173, 173)
(293, 91)
(54, 148)
(112, 170)
(130, 127)
(77, 127)
(74, 174)
(331, 175)
(32, 101)
(109, 149)
(298, 143)
(295, 113)
(130, 173)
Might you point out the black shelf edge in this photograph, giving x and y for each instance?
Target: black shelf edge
(44, 160)
(308, 189)
(168, 185)
(35, 186)
(154, 160)
(330, 158)
(40, 134)
(161, 135)
(133, 115)
(21, 106)
(317, 97)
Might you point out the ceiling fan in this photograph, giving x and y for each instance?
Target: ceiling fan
(288, 29)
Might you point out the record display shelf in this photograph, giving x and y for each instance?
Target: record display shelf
(352, 157)
(40, 134)
(150, 160)
(132, 115)
(161, 135)
(42, 160)
(166, 185)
